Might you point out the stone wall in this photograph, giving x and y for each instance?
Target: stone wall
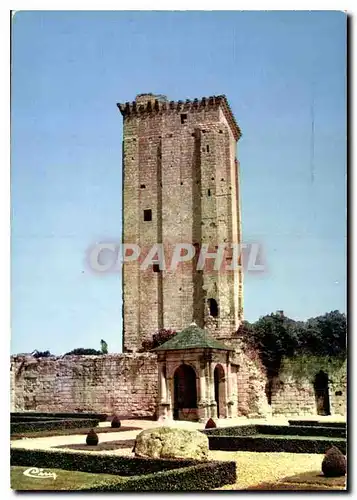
(252, 399)
(127, 384)
(121, 383)
(294, 394)
(251, 382)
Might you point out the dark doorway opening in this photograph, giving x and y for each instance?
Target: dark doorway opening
(219, 390)
(321, 394)
(185, 390)
(213, 307)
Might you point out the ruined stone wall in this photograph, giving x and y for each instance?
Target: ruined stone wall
(122, 383)
(127, 384)
(294, 394)
(252, 399)
(251, 382)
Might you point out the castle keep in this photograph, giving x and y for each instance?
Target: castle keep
(180, 185)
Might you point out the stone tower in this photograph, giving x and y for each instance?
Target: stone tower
(180, 185)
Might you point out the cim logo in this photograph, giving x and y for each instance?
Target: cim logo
(37, 473)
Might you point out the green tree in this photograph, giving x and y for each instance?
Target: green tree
(326, 335)
(275, 336)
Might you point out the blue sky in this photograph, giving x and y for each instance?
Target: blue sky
(69, 69)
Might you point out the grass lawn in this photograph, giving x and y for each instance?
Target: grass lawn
(65, 480)
(306, 481)
(316, 477)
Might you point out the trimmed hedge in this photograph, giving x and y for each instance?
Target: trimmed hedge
(240, 430)
(275, 444)
(145, 474)
(17, 420)
(278, 430)
(292, 439)
(285, 430)
(35, 425)
(17, 416)
(316, 423)
(71, 432)
(94, 462)
(201, 477)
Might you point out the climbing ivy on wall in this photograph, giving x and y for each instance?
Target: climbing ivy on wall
(306, 366)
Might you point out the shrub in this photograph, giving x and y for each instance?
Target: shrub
(116, 422)
(41, 354)
(81, 351)
(334, 463)
(92, 438)
(159, 338)
(211, 424)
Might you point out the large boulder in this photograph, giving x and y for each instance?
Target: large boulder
(170, 442)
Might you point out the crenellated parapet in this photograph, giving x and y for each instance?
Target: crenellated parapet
(151, 104)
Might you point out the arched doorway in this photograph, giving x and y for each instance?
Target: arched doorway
(321, 394)
(185, 390)
(219, 391)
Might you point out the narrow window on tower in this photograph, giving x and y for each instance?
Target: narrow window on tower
(147, 215)
(183, 118)
(207, 148)
(209, 192)
(156, 268)
(213, 307)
